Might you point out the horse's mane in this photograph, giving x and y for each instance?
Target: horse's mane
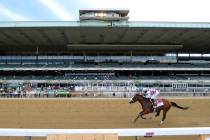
(139, 94)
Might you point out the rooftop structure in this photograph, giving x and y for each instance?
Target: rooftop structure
(104, 14)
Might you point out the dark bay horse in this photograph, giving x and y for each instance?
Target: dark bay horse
(147, 107)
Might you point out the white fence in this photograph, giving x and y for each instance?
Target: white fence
(121, 132)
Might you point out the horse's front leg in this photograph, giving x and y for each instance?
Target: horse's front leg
(140, 115)
(136, 118)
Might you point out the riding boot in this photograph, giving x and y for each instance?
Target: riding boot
(153, 104)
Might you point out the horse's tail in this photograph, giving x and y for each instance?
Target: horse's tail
(175, 105)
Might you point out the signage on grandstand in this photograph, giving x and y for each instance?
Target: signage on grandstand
(180, 85)
(90, 74)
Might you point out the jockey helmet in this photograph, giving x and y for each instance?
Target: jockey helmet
(144, 90)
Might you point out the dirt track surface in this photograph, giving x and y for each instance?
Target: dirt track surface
(97, 113)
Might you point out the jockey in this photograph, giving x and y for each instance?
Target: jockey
(151, 94)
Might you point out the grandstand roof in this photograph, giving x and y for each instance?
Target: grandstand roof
(63, 36)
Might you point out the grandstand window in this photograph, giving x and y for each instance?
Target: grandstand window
(195, 55)
(100, 14)
(170, 54)
(192, 85)
(183, 54)
(206, 55)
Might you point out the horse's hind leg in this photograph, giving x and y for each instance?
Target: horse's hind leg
(164, 115)
(158, 113)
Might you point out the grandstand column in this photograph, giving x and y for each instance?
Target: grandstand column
(177, 60)
(21, 61)
(37, 53)
(84, 55)
(131, 55)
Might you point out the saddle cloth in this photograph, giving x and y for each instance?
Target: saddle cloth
(159, 102)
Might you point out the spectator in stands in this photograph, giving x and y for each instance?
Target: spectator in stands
(151, 93)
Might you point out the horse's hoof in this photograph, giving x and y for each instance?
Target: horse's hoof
(143, 118)
(161, 122)
(156, 115)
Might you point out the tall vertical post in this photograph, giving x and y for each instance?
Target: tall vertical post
(37, 53)
(84, 55)
(137, 138)
(177, 57)
(131, 55)
(27, 137)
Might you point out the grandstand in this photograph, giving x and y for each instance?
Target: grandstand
(104, 53)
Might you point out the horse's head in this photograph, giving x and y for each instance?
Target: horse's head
(135, 98)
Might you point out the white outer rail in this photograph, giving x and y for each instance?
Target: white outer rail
(120, 132)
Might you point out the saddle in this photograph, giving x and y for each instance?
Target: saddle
(158, 102)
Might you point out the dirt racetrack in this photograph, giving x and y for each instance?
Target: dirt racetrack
(97, 113)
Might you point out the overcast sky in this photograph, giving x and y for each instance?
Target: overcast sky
(140, 10)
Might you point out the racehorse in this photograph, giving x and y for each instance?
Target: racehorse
(147, 107)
